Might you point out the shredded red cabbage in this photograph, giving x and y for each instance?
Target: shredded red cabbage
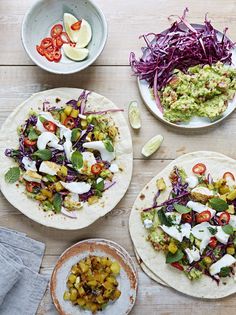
(180, 47)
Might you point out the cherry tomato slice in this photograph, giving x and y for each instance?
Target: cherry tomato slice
(228, 175)
(50, 126)
(46, 42)
(49, 55)
(56, 30)
(187, 217)
(213, 242)
(199, 169)
(40, 50)
(203, 216)
(65, 38)
(177, 265)
(69, 122)
(57, 55)
(76, 26)
(59, 41)
(29, 143)
(30, 186)
(96, 169)
(224, 218)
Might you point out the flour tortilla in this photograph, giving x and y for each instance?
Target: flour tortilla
(89, 213)
(217, 164)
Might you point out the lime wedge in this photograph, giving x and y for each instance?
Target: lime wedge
(152, 145)
(134, 115)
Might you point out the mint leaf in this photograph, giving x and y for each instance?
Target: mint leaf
(228, 229)
(181, 209)
(212, 230)
(218, 204)
(163, 218)
(12, 175)
(170, 258)
(33, 134)
(100, 186)
(224, 272)
(75, 134)
(44, 155)
(108, 145)
(57, 202)
(77, 160)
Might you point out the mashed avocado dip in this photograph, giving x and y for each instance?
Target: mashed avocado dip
(204, 91)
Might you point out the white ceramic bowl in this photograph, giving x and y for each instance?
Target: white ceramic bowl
(44, 14)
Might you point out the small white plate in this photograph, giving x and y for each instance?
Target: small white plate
(128, 279)
(195, 122)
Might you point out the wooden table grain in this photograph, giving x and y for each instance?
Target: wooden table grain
(111, 76)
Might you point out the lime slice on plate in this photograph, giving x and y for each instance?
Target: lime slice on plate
(152, 145)
(134, 115)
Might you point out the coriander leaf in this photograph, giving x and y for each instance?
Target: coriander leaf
(212, 230)
(75, 134)
(100, 186)
(170, 258)
(218, 204)
(57, 202)
(181, 209)
(44, 155)
(224, 272)
(42, 119)
(163, 218)
(33, 134)
(228, 229)
(12, 175)
(108, 145)
(77, 160)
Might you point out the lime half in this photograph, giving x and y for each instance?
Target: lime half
(152, 145)
(134, 115)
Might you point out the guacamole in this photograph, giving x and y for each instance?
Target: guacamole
(203, 91)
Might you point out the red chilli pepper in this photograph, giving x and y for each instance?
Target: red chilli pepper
(29, 143)
(224, 218)
(96, 169)
(177, 266)
(76, 26)
(199, 169)
(203, 216)
(213, 242)
(187, 217)
(69, 122)
(228, 175)
(56, 30)
(50, 126)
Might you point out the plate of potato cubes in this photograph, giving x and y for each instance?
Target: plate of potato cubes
(94, 276)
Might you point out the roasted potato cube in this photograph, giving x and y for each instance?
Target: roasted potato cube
(73, 294)
(72, 278)
(115, 267)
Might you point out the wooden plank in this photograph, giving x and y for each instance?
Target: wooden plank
(124, 26)
(116, 83)
(152, 298)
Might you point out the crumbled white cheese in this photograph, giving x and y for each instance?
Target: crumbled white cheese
(147, 223)
(226, 261)
(29, 164)
(192, 181)
(192, 254)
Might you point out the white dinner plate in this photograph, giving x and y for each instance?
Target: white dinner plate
(195, 122)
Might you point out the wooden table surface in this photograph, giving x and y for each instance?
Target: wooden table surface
(111, 76)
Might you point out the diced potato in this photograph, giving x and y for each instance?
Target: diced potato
(46, 193)
(112, 132)
(232, 195)
(92, 283)
(81, 301)
(75, 269)
(66, 296)
(73, 294)
(68, 110)
(40, 197)
(231, 209)
(84, 123)
(81, 291)
(117, 294)
(84, 268)
(101, 136)
(230, 250)
(100, 299)
(161, 185)
(63, 117)
(74, 113)
(69, 284)
(72, 278)
(58, 186)
(108, 293)
(115, 267)
(224, 189)
(92, 200)
(172, 248)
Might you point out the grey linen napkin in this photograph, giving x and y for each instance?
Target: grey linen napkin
(21, 286)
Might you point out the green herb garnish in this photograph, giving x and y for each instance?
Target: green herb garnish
(12, 175)
(181, 209)
(57, 202)
(163, 218)
(108, 145)
(228, 229)
(77, 160)
(44, 155)
(218, 204)
(170, 258)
